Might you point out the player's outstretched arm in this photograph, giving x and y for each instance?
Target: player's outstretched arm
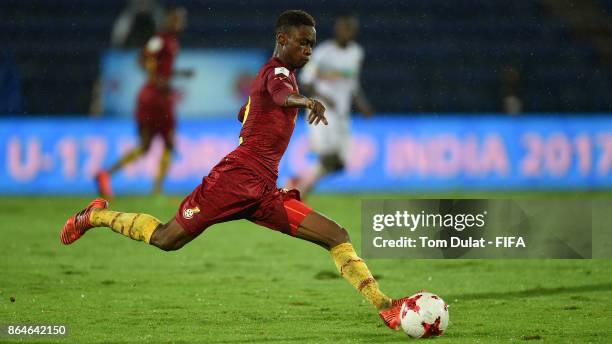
(317, 110)
(311, 91)
(283, 95)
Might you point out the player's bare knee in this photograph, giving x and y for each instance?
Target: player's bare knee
(339, 236)
(176, 245)
(342, 236)
(167, 244)
(159, 241)
(163, 241)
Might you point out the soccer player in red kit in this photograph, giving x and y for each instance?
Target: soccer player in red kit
(155, 104)
(243, 184)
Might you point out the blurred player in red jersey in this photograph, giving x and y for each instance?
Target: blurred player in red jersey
(243, 184)
(155, 105)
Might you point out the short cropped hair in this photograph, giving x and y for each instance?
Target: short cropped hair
(179, 9)
(346, 15)
(293, 18)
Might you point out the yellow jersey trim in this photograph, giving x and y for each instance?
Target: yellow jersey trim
(246, 115)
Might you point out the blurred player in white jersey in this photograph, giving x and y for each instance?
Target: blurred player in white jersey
(332, 76)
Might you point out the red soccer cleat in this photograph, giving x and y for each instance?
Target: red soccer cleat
(104, 184)
(391, 315)
(79, 223)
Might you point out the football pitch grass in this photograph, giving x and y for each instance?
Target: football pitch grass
(240, 283)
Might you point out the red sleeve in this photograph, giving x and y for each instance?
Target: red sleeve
(279, 86)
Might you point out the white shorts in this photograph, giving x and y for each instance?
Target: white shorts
(333, 138)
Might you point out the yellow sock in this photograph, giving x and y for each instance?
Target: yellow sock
(164, 164)
(127, 158)
(355, 271)
(136, 226)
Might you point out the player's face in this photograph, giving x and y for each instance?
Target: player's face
(345, 29)
(299, 44)
(177, 20)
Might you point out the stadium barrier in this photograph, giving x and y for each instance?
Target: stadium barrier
(389, 154)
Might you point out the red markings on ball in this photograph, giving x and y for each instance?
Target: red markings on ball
(411, 303)
(432, 329)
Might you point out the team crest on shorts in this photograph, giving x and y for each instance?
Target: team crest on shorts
(189, 212)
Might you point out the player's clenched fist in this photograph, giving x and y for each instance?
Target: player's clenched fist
(317, 112)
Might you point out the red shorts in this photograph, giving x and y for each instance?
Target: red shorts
(234, 190)
(155, 112)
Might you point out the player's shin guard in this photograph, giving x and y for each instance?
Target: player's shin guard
(136, 226)
(355, 271)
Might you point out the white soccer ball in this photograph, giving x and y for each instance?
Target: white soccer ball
(424, 315)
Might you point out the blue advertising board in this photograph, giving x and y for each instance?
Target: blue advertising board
(220, 83)
(61, 156)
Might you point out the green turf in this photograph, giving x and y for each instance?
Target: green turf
(239, 283)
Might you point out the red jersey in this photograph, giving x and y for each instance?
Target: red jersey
(160, 52)
(267, 126)
(243, 184)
